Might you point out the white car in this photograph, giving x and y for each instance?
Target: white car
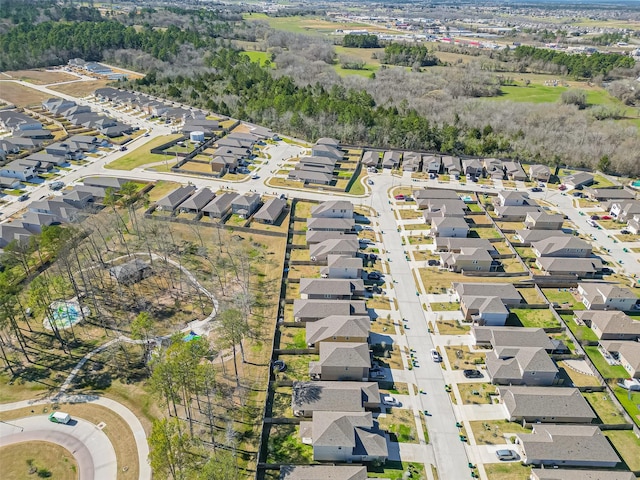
(390, 400)
(435, 356)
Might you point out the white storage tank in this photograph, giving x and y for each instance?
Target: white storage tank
(197, 136)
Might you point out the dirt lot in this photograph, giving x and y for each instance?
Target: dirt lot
(40, 77)
(80, 89)
(19, 95)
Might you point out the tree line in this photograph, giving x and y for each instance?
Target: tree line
(408, 55)
(360, 41)
(577, 65)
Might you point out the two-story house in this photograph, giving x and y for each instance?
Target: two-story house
(606, 296)
(342, 361)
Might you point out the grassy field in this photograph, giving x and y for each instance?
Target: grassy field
(630, 401)
(161, 188)
(627, 445)
(476, 393)
(452, 327)
(604, 407)
(39, 77)
(606, 370)
(492, 432)
(563, 296)
(260, 57)
(507, 471)
(80, 89)
(538, 318)
(19, 95)
(400, 424)
(142, 156)
(311, 25)
(47, 459)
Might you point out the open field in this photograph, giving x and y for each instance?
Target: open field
(39, 77)
(46, 460)
(311, 25)
(142, 156)
(19, 95)
(80, 89)
(255, 56)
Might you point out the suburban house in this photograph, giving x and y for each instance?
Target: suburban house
(567, 445)
(9, 182)
(220, 206)
(221, 164)
(131, 272)
(14, 121)
(469, 259)
(318, 236)
(575, 267)
(344, 437)
(578, 180)
(484, 310)
(319, 252)
(312, 310)
(530, 366)
(341, 266)
(270, 212)
(493, 168)
(496, 337)
(370, 159)
(511, 198)
(455, 245)
(539, 173)
(325, 472)
(514, 171)
(333, 209)
(505, 291)
(601, 194)
(606, 296)
(245, 205)
(77, 198)
(541, 220)
(338, 328)
(432, 164)
(412, 162)
(629, 357)
(307, 177)
(472, 167)
(610, 325)
(197, 201)
(18, 171)
(67, 149)
(330, 224)
(173, 200)
(309, 397)
(200, 125)
(330, 288)
(435, 193)
(562, 246)
(449, 227)
(515, 213)
(14, 230)
(327, 151)
(342, 361)
(105, 182)
(527, 237)
(443, 208)
(575, 474)
(624, 210)
(391, 160)
(451, 165)
(545, 405)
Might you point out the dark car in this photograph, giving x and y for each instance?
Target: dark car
(536, 189)
(473, 374)
(373, 276)
(625, 232)
(595, 217)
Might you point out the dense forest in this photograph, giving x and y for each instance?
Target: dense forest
(191, 55)
(360, 41)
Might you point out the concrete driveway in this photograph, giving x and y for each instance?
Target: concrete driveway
(90, 446)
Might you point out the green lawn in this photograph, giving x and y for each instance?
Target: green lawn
(365, 72)
(538, 318)
(606, 370)
(581, 332)
(627, 446)
(445, 306)
(401, 424)
(142, 156)
(285, 445)
(547, 94)
(259, 57)
(604, 407)
(630, 401)
(507, 471)
(562, 296)
(394, 470)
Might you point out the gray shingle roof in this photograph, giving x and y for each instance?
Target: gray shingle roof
(339, 326)
(340, 354)
(333, 396)
(546, 402)
(323, 472)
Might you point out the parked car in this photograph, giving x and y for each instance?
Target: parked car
(370, 182)
(433, 263)
(123, 148)
(399, 197)
(435, 356)
(56, 185)
(625, 232)
(506, 455)
(606, 217)
(373, 276)
(471, 373)
(595, 217)
(23, 197)
(255, 176)
(390, 400)
(562, 187)
(60, 417)
(536, 189)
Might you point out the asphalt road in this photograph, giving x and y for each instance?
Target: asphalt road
(90, 446)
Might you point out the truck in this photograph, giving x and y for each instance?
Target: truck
(60, 417)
